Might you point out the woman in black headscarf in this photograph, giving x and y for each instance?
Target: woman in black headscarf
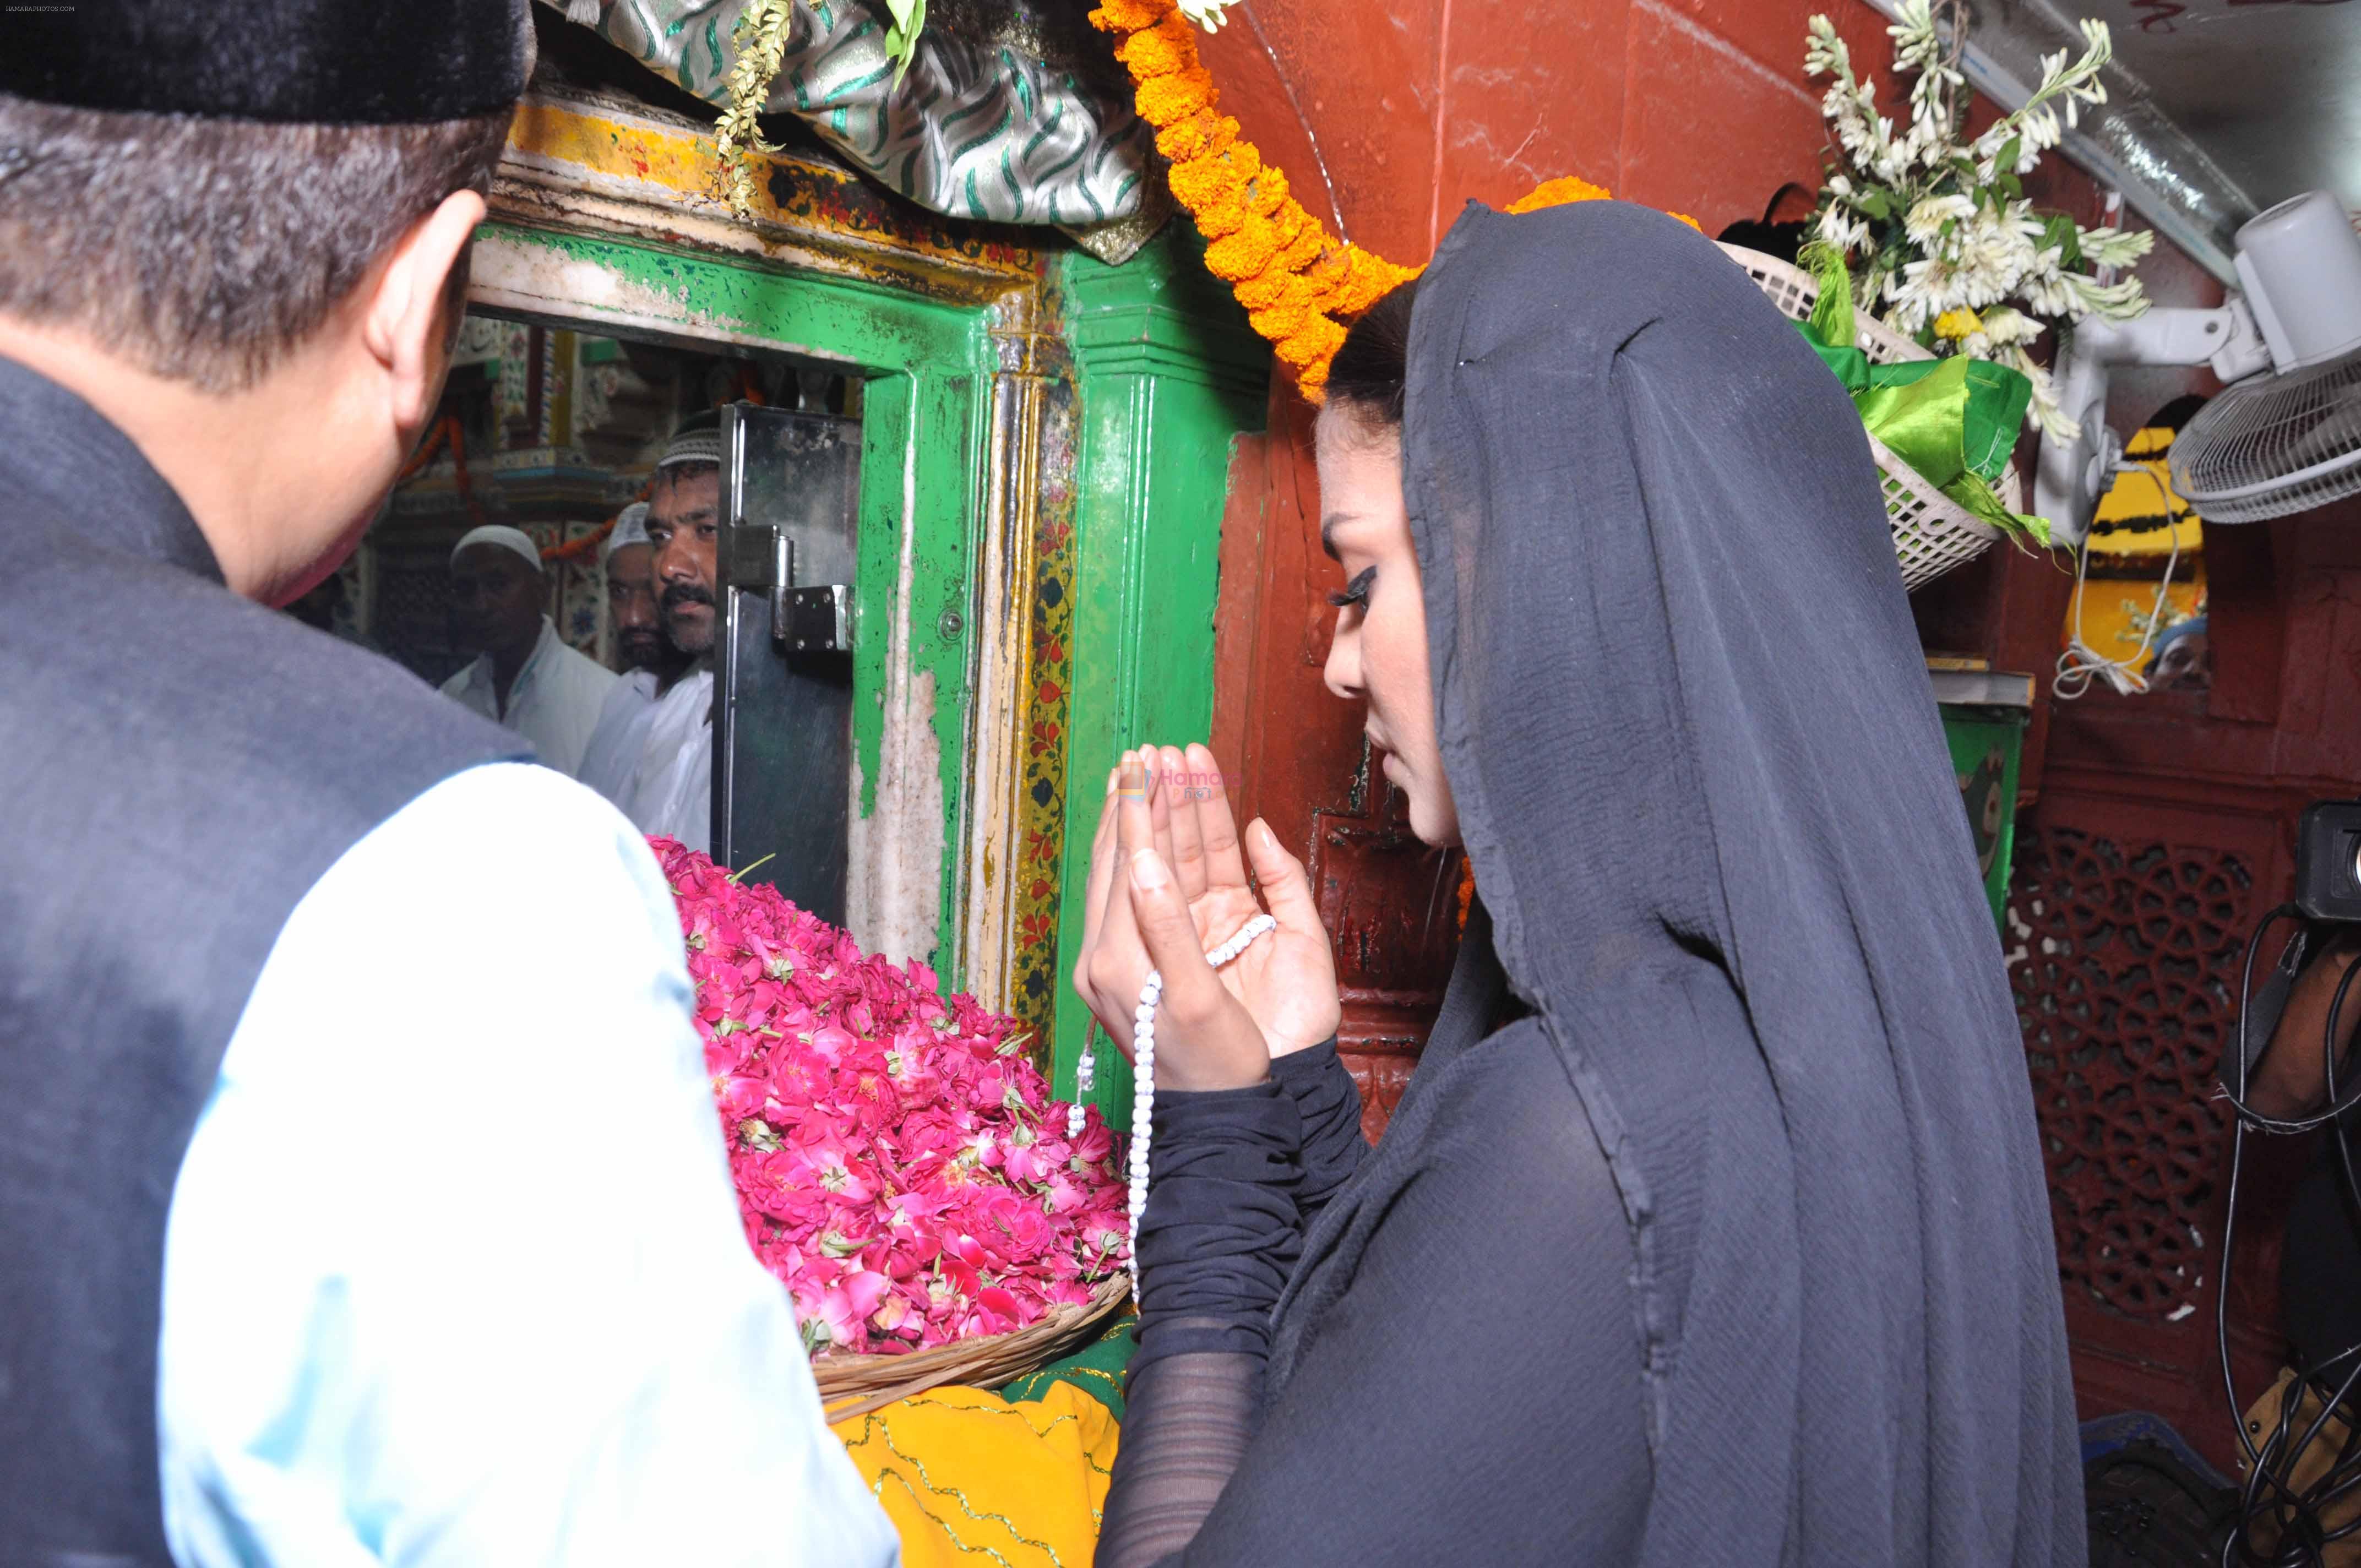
(1711, 1229)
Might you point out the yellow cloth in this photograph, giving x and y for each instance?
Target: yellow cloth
(2262, 1419)
(970, 1477)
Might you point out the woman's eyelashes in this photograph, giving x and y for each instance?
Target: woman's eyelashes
(1357, 591)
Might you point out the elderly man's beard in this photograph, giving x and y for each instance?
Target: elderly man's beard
(691, 633)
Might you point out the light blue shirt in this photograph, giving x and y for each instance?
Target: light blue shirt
(454, 1273)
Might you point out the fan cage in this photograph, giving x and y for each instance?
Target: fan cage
(2273, 446)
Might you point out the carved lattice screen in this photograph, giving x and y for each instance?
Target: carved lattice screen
(2124, 959)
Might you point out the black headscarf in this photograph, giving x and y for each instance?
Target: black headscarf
(1703, 783)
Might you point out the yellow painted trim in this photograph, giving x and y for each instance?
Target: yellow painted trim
(599, 144)
(611, 154)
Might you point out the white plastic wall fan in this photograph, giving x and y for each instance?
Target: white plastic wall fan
(2285, 434)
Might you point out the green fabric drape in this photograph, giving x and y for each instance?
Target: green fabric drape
(1954, 420)
(967, 127)
(1096, 1369)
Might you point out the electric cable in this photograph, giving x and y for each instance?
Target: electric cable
(2296, 1515)
(2080, 664)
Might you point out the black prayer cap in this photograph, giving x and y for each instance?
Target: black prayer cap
(353, 62)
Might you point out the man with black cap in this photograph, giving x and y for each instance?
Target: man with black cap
(332, 1228)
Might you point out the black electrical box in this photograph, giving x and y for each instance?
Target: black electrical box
(2328, 860)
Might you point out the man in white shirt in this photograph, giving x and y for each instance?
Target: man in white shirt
(671, 790)
(362, 1197)
(630, 564)
(650, 662)
(524, 674)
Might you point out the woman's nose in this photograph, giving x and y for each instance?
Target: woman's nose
(1342, 673)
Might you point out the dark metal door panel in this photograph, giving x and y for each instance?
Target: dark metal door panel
(783, 730)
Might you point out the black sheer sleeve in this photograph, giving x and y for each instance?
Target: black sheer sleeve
(1216, 1240)
(1475, 1396)
(1219, 1232)
(1187, 1420)
(1328, 1105)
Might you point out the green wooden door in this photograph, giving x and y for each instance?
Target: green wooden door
(1169, 374)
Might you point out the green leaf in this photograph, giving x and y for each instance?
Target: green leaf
(902, 37)
(2011, 186)
(1832, 315)
(2058, 230)
(1874, 202)
(2010, 151)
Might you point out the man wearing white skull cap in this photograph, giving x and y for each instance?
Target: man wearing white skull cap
(524, 675)
(649, 661)
(668, 789)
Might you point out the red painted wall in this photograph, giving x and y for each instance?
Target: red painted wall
(1418, 105)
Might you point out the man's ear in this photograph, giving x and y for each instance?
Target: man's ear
(404, 327)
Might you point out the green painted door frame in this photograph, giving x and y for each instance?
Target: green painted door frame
(924, 363)
(1169, 374)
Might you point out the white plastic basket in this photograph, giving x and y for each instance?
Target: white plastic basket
(1932, 532)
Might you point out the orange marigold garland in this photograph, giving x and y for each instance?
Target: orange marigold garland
(1299, 283)
(1294, 278)
(1558, 192)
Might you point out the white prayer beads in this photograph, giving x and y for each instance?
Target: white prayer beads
(1085, 1074)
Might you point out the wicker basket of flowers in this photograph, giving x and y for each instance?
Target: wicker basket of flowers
(1932, 532)
(900, 1166)
(855, 1385)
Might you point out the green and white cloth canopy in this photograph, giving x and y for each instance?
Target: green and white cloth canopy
(976, 131)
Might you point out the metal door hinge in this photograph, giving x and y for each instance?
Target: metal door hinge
(810, 618)
(817, 620)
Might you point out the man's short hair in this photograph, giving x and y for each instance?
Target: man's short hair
(202, 250)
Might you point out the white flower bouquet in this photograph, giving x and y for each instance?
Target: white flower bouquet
(1937, 229)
